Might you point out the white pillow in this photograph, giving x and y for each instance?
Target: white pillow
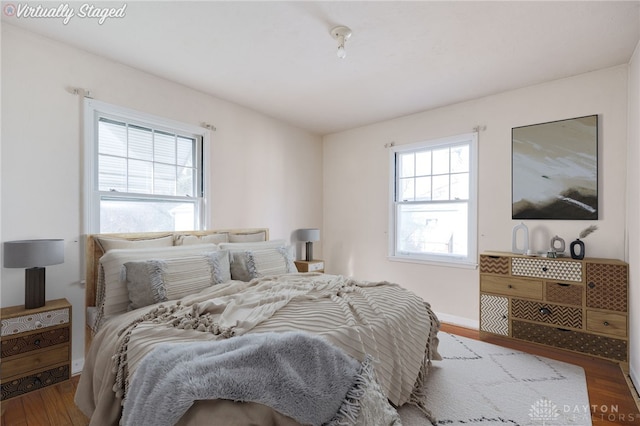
(256, 245)
(118, 243)
(185, 240)
(248, 238)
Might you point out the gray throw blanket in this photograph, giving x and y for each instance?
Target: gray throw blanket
(297, 374)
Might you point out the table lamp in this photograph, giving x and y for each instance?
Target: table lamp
(309, 235)
(33, 255)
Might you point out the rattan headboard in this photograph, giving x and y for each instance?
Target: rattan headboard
(94, 251)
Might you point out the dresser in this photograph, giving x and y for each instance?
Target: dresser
(36, 347)
(576, 305)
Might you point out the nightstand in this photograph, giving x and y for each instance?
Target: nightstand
(36, 347)
(310, 265)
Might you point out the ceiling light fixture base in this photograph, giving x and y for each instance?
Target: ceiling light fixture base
(342, 34)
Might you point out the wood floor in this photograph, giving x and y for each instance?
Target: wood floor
(612, 403)
(52, 406)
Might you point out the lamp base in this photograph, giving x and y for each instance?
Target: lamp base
(309, 251)
(34, 289)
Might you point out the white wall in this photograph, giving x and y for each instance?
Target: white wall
(262, 169)
(633, 214)
(356, 184)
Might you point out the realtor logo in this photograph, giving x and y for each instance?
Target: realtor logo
(543, 410)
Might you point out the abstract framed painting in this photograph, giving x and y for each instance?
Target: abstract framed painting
(555, 170)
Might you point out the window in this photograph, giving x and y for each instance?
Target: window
(144, 173)
(433, 206)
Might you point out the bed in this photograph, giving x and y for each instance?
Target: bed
(218, 327)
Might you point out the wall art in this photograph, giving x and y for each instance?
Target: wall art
(555, 170)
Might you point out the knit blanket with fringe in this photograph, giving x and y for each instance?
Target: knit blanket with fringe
(297, 374)
(379, 319)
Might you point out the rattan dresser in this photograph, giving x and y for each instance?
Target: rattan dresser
(576, 305)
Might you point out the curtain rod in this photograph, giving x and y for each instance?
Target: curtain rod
(477, 129)
(86, 93)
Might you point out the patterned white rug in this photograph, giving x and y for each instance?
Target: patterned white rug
(482, 384)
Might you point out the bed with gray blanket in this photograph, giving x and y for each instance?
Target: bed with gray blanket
(177, 338)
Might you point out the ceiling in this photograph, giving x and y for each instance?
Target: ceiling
(404, 56)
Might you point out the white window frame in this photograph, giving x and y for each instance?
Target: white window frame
(93, 110)
(471, 259)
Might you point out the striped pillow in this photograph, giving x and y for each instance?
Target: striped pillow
(158, 280)
(273, 261)
(239, 269)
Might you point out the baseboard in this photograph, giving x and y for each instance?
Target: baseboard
(633, 381)
(459, 321)
(76, 366)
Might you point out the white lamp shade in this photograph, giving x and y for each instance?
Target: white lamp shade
(33, 253)
(309, 234)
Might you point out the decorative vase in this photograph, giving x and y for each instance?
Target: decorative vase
(572, 247)
(559, 247)
(525, 239)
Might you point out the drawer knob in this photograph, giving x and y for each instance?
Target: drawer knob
(606, 323)
(545, 269)
(545, 311)
(509, 286)
(591, 285)
(37, 342)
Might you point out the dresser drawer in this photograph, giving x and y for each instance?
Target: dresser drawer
(563, 270)
(494, 314)
(494, 265)
(607, 286)
(35, 381)
(32, 342)
(562, 316)
(22, 365)
(607, 323)
(35, 321)
(578, 341)
(506, 286)
(569, 294)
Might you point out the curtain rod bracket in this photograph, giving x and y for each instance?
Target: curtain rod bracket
(209, 126)
(86, 93)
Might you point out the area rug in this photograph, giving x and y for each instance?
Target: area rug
(478, 383)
